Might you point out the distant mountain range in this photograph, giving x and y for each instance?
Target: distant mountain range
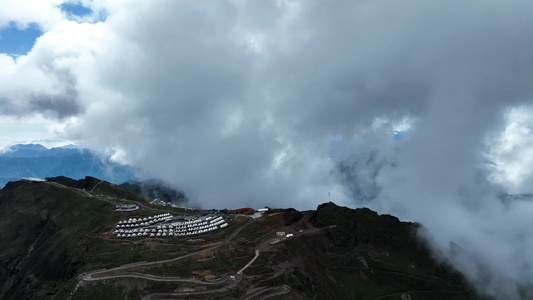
(35, 160)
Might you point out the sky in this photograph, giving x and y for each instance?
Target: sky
(420, 109)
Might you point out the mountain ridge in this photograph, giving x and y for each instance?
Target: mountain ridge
(51, 234)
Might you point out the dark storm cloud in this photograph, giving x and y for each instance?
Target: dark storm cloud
(385, 59)
(39, 86)
(60, 106)
(210, 102)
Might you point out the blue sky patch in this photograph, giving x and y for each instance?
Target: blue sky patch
(81, 14)
(15, 42)
(399, 136)
(75, 9)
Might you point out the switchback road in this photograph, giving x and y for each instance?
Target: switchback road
(236, 278)
(284, 289)
(91, 276)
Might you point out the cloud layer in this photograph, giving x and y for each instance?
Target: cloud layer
(278, 103)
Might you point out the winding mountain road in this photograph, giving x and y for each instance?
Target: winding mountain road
(236, 277)
(101, 274)
(91, 275)
(284, 290)
(249, 263)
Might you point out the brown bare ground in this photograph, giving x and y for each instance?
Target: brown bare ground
(205, 274)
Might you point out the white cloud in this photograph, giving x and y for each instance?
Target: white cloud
(23, 13)
(512, 152)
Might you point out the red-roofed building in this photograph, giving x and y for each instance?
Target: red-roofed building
(244, 211)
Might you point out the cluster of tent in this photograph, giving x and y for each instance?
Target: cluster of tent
(133, 222)
(199, 225)
(175, 229)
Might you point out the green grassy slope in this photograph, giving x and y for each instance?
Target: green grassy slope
(51, 233)
(45, 233)
(99, 186)
(370, 256)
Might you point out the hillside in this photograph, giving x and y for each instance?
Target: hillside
(54, 235)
